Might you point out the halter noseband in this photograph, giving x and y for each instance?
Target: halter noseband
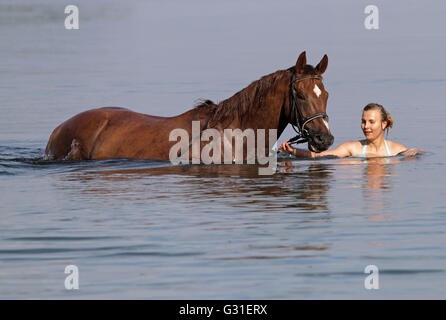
(302, 133)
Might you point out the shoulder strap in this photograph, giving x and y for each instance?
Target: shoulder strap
(364, 148)
(387, 148)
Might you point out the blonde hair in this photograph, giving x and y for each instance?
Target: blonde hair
(385, 115)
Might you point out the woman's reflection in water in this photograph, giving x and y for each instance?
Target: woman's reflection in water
(376, 187)
(376, 184)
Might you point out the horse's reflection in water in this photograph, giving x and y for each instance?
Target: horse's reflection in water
(308, 183)
(239, 186)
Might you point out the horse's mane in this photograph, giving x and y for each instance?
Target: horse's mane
(204, 103)
(246, 99)
(243, 101)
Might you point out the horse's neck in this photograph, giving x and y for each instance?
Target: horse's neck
(260, 108)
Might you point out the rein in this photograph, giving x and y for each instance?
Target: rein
(302, 133)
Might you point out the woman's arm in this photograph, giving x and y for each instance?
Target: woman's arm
(404, 151)
(340, 151)
(411, 152)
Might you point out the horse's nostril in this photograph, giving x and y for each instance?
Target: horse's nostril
(323, 139)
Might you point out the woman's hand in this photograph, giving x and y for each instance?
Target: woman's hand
(285, 147)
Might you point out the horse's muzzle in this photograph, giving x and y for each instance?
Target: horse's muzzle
(318, 141)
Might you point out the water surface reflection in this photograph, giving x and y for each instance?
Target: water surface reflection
(303, 188)
(376, 184)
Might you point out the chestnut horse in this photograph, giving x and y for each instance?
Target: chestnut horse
(295, 95)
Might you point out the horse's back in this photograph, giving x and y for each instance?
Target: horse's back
(79, 137)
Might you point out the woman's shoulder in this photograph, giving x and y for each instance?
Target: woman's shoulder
(395, 147)
(354, 148)
(356, 143)
(353, 145)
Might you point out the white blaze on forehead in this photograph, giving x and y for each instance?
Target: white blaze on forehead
(317, 91)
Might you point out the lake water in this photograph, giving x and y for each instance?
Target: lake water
(150, 230)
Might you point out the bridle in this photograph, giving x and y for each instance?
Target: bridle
(302, 133)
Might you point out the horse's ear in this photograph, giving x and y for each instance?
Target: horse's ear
(301, 62)
(322, 66)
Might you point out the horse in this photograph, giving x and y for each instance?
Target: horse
(293, 96)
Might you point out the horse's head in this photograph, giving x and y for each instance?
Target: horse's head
(308, 103)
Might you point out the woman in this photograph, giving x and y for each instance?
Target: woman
(375, 120)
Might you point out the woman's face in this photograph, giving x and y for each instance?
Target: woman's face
(372, 124)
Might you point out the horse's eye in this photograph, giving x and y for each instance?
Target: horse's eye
(300, 96)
